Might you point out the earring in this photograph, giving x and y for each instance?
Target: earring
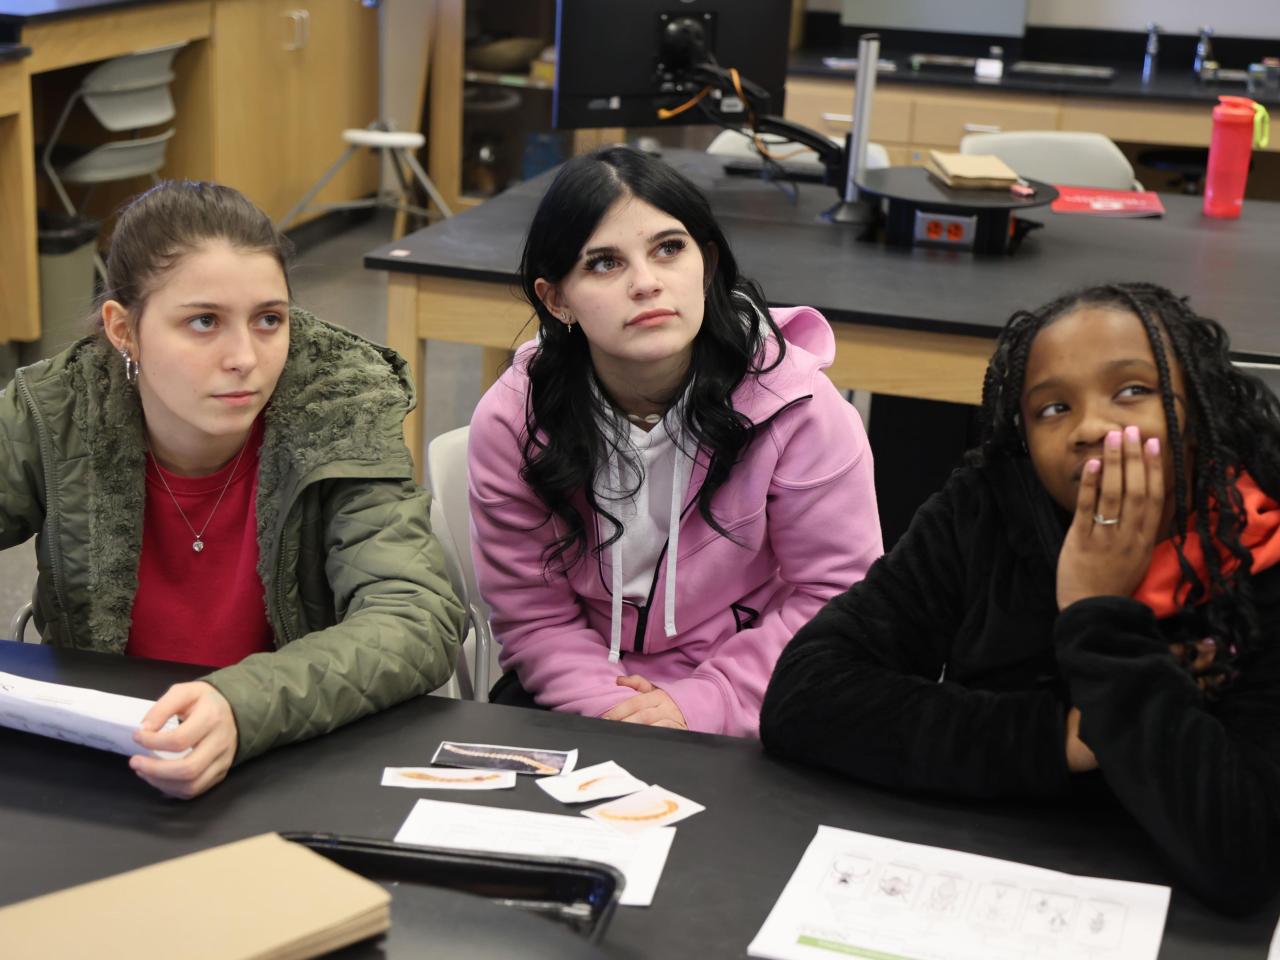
(568, 321)
(130, 366)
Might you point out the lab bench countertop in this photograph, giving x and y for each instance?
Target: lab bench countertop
(1167, 86)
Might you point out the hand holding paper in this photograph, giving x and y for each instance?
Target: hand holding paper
(208, 731)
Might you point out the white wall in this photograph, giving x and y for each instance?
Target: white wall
(1236, 18)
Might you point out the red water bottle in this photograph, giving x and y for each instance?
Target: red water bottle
(1238, 124)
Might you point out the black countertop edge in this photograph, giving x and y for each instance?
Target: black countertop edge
(11, 52)
(373, 261)
(17, 12)
(1127, 84)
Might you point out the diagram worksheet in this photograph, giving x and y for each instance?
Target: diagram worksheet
(857, 895)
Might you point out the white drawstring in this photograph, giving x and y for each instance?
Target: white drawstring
(678, 481)
(615, 560)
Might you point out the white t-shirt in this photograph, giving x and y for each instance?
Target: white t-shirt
(646, 518)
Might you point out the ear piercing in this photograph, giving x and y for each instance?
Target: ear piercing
(130, 365)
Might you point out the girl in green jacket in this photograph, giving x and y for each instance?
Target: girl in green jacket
(217, 478)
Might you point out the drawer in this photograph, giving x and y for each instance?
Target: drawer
(827, 106)
(946, 119)
(1175, 124)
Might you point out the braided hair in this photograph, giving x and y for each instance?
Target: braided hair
(1234, 418)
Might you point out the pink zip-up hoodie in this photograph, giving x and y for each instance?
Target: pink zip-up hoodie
(801, 504)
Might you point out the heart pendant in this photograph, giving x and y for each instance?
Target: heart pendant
(198, 546)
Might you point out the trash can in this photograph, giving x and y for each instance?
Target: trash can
(66, 245)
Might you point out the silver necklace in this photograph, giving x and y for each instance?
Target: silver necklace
(198, 544)
(649, 418)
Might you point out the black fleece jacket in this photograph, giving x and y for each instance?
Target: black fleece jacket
(950, 669)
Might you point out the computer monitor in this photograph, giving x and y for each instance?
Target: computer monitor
(620, 61)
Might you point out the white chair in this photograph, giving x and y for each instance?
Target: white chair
(1058, 156)
(393, 145)
(451, 521)
(739, 145)
(129, 93)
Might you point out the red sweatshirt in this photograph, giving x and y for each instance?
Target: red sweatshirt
(207, 607)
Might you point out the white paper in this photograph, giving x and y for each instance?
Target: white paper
(858, 895)
(1274, 952)
(93, 718)
(448, 778)
(597, 782)
(650, 809)
(467, 826)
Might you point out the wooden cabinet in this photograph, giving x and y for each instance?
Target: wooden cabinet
(946, 117)
(1172, 123)
(19, 306)
(910, 120)
(827, 106)
(288, 77)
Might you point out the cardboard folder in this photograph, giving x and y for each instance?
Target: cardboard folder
(258, 899)
(970, 171)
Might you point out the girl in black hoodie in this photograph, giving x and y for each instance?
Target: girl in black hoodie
(1052, 610)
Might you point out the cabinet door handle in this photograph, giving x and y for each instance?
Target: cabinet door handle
(837, 117)
(296, 17)
(982, 128)
(306, 27)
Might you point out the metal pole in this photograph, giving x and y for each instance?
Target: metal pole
(868, 57)
(852, 209)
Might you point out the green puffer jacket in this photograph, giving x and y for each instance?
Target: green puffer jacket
(356, 594)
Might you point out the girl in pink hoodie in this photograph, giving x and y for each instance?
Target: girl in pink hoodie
(664, 485)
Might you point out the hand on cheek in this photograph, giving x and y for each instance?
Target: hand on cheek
(650, 706)
(207, 728)
(1119, 508)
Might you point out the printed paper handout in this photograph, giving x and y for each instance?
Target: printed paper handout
(493, 756)
(858, 895)
(105, 721)
(469, 826)
(597, 782)
(448, 778)
(652, 807)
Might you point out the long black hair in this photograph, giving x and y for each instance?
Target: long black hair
(564, 446)
(1232, 416)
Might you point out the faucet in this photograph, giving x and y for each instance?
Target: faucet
(1153, 48)
(1204, 51)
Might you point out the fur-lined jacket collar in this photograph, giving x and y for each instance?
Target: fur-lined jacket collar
(335, 413)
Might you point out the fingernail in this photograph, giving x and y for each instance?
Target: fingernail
(1210, 642)
(1131, 434)
(1153, 446)
(1093, 466)
(1113, 440)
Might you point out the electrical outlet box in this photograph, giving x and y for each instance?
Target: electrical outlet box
(949, 230)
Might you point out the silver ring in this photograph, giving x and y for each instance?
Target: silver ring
(1102, 521)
